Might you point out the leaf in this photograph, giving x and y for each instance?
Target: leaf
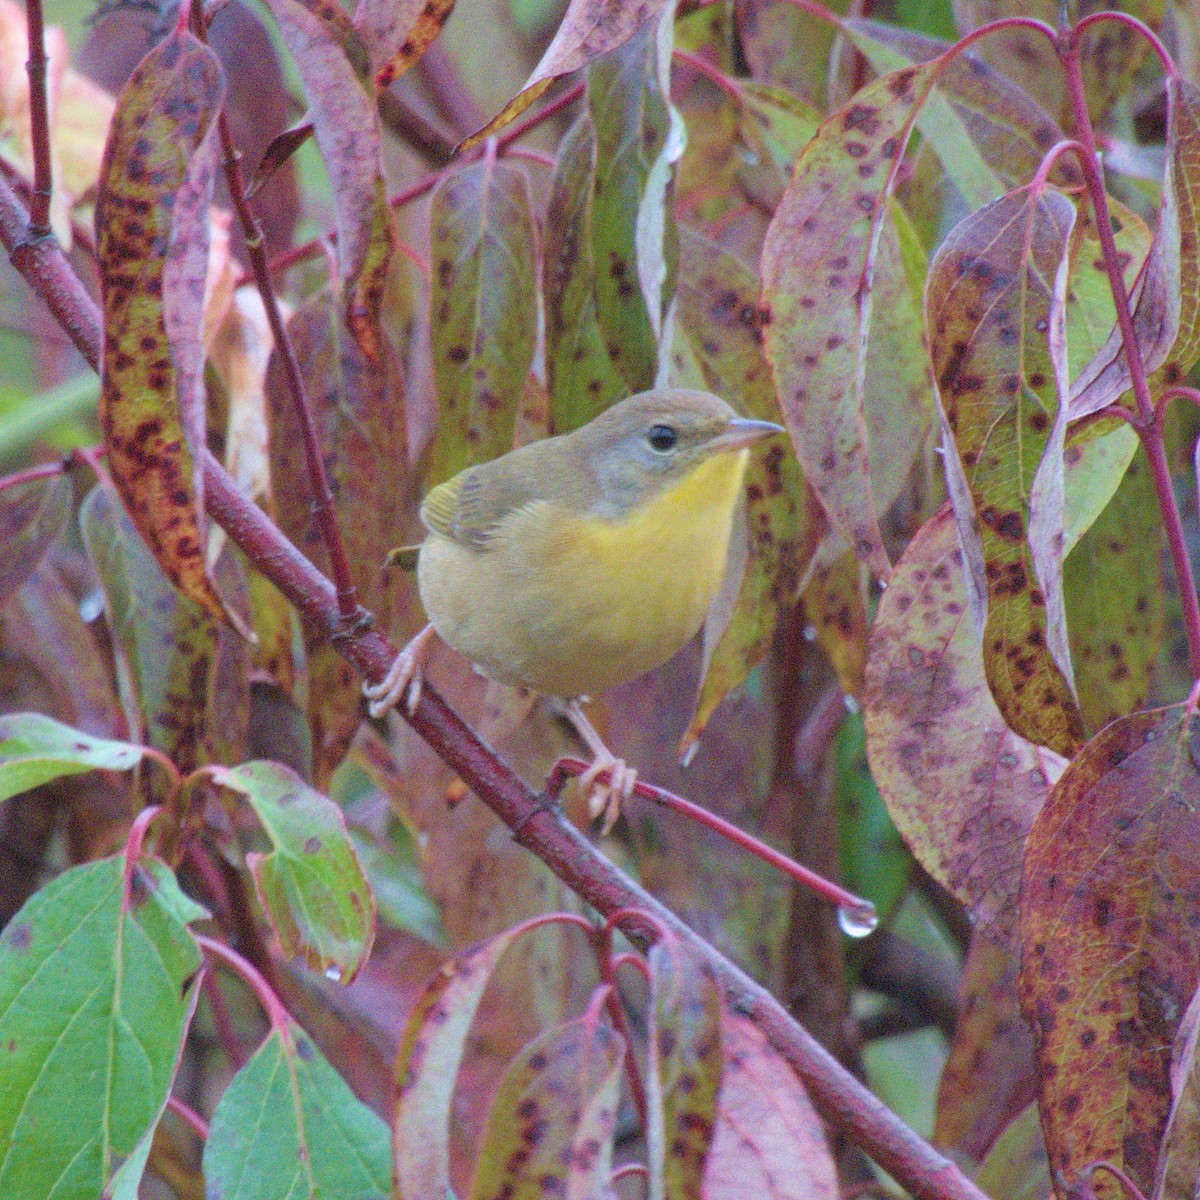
(1165, 300)
(1016, 1168)
(589, 30)
(35, 748)
(962, 788)
(1179, 1156)
(836, 607)
(580, 376)
(169, 650)
(287, 1126)
(311, 885)
(989, 134)
(398, 34)
(683, 1069)
(638, 139)
(97, 989)
(358, 408)
(1109, 907)
(431, 1049)
(718, 317)
(32, 515)
(873, 861)
(152, 245)
(817, 262)
(989, 1076)
(768, 1141)
(330, 59)
(1114, 592)
(994, 309)
(550, 1128)
(482, 302)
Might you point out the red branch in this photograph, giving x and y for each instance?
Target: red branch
(839, 1096)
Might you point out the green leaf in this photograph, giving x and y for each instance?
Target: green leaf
(32, 515)
(288, 1127)
(1113, 587)
(873, 860)
(994, 307)
(95, 998)
(580, 376)
(638, 139)
(1109, 955)
(152, 246)
(684, 1068)
(35, 749)
(550, 1128)
(483, 305)
(400, 895)
(311, 885)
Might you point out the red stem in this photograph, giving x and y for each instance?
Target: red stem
(30, 474)
(277, 1014)
(616, 1013)
(1149, 423)
(39, 122)
(189, 1116)
(841, 1098)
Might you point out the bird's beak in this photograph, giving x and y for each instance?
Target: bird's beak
(742, 431)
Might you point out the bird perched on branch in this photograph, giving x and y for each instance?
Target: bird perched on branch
(582, 561)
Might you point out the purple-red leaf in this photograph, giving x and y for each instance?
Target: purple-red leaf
(818, 259)
(769, 1142)
(32, 515)
(344, 116)
(961, 787)
(1110, 903)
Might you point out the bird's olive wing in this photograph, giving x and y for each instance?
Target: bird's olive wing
(469, 507)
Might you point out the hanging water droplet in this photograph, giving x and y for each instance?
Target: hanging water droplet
(810, 633)
(333, 973)
(850, 703)
(857, 920)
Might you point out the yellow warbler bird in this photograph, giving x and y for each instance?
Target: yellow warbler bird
(582, 561)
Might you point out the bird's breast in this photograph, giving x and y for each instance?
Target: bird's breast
(571, 604)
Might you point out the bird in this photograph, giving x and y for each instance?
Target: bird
(582, 561)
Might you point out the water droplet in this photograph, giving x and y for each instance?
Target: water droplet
(857, 920)
(851, 704)
(810, 633)
(883, 585)
(334, 973)
(92, 605)
(686, 757)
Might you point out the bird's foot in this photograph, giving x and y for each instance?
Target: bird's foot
(407, 668)
(605, 797)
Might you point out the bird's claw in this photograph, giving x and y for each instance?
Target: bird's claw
(406, 671)
(606, 797)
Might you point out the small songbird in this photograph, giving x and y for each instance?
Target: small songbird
(582, 561)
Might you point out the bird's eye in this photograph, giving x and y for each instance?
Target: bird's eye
(662, 438)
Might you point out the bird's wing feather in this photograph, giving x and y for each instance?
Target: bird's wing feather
(468, 508)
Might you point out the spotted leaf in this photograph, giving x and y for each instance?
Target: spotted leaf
(1109, 908)
(994, 307)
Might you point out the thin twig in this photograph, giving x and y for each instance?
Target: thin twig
(39, 121)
